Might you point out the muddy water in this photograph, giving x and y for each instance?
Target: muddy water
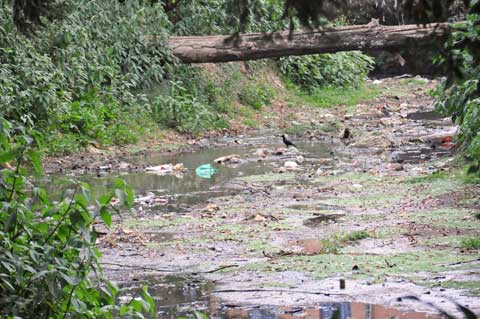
(184, 190)
(177, 296)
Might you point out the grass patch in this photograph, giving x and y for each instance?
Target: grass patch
(472, 286)
(250, 122)
(326, 265)
(427, 178)
(157, 223)
(356, 235)
(333, 96)
(470, 243)
(448, 217)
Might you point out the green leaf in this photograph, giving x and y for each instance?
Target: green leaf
(148, 298)
(105, 199)
(137, 305)
(7, 156)
(85, 191)
(124, 309)
(11, 222)
(34, 158)
(71, 280)
(106, 216)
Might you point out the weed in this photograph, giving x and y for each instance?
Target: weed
(333, 96)
(471, 243)
(256, 95)
(427, 178)
(356, 235)
(250, 122)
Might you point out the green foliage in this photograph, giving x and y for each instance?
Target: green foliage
(256, 94)
(49, 266)
(356, 235)
(200, 17)
(85, 65)
(470, 243)
(315, 71)
(459, 95)
(329, 96)
(182, 110)
(428, 178)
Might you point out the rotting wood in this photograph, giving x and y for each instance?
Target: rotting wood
(221, 48)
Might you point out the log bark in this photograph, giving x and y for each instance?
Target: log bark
(200, 49)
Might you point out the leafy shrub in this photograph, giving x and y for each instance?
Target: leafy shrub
(470, 243)
(203, 17)
(49, 266)
(49, 73)
(182, 110)
(311, 72)
(459, 95)
(256, 95)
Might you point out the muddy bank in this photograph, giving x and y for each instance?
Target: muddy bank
(384, 209)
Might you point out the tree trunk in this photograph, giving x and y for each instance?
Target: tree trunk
(200, 49)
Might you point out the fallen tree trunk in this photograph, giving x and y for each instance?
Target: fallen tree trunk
(200, 49)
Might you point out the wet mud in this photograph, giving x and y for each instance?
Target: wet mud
(272, 235)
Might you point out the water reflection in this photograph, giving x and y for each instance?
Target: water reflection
(179, 296)
(185, 190)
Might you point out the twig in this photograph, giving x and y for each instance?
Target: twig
(217, 269)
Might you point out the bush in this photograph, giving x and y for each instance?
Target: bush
(182, 110)
(311, 72)
(459, 95)
(49, 266)
(256, 95)
(83, 66)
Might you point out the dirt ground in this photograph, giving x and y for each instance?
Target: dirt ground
(384, 209)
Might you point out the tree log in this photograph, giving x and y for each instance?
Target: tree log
(200, 49)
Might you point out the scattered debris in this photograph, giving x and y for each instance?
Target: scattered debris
(229, 159)
(290, 165)
(166, 169)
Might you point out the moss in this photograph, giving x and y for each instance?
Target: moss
(158, 223)
(472, 286)
(259, 245)
(326, 265)
(270, 177)
(427, 178)
(369, 200)
(447, 217)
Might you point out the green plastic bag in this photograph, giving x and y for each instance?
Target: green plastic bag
(205, 171)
